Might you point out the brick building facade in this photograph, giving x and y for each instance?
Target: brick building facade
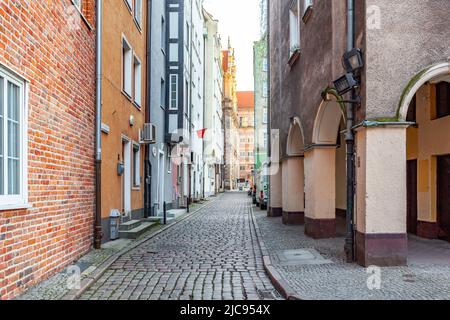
(47, 80)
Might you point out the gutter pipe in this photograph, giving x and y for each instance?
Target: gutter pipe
(350, 141)
(98, 234)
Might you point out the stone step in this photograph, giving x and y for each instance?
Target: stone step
(126, 226)
(136, 232)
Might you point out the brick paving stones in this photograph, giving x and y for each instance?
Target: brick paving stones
(426, 277)
(212, 255)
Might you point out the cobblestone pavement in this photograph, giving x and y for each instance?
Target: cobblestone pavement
(427, 275)
(212, 255)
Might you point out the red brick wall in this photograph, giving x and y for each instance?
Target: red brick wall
(38, 43)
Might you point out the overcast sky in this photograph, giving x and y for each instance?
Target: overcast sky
(239, 20)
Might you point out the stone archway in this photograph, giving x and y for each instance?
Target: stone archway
(383, 149)
(428, 160)
(320, 171)
(293, 177)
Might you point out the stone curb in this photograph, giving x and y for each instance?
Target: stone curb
(277, 279)
(102, 268)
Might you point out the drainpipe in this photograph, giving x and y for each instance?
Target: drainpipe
(350, 141)
(98, 234)
(148, 166)
(190, 104)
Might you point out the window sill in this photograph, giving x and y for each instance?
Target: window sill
(137, 106)
(136, 189)
(127, 96)
(138, 25)
(85, 20)
(19, 206)
(294, 57)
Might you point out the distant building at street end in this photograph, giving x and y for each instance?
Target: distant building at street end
(246, 116)
(213, 142)
(231, 120)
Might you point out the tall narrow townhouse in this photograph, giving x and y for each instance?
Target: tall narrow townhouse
(47, 125)
(261, 85)
(162, 189)
(397, 53)
(231, 121)
(123, 99)
(213, 152)
(184, 115)
(197, 92)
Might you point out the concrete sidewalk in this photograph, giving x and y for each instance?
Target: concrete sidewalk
(316, 269)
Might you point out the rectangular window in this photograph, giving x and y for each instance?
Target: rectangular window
(265, 89)
(265, 65)
(129, 4)
(138, 11)
(173, 91)
(137, 82)
(442, 99)
(265, 116)
(78, 4)
(294, 27)
(163, 93)
(127, 61)
(13, 184)
(136, 166)
(307, 5)
(163, 34)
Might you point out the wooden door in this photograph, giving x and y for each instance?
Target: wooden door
(412, 196)
(443, 196)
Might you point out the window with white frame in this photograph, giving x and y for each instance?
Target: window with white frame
(138, 11)
(129, 3)
(163, 34)
(307, 4)
(127, 62)
(265, 67)
(78, 4)
(173, 91)
(137, 82)
(294, 27)
(13, 141)
(136, 165)
(265, 89)
(163, 93)
(265, 116)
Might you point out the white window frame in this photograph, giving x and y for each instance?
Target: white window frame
(127, 67)
(294, 27)
(137, 12)
(129, 4)
(171, 77)
(9, 202)
(137, 75)
(136, 165)
(78, 4)
(307, 4)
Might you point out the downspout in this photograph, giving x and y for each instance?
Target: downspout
(98, 234)
(190, 104)
(148, 166)
(269, 118)
(350, 141)
(205, 37)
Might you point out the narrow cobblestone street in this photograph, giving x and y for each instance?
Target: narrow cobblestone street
(212, 255)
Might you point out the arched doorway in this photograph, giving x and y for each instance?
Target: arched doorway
(325, 180)
(293, 176)
(427, 105)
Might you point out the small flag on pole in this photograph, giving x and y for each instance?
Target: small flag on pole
(201, 133)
